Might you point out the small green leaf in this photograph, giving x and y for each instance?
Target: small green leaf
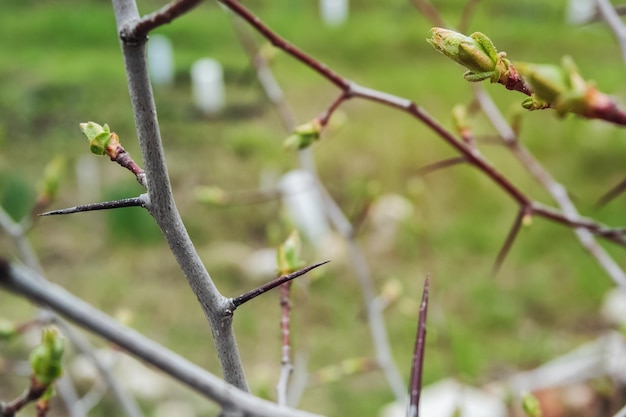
(288, 255)
(304, 135)
(49, 184)
(45, 359)
(476, 52)
(530, 405)
(99, 137)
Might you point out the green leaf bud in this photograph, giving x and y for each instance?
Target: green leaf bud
(304, 135)
(49, 184)
(475, 52)
(211, 195)
(530, 405)
(45, 359)
(99, 137)
(288, 254)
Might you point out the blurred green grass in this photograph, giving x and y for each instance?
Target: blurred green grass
(60, 65)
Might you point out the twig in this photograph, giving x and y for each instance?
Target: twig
(472, 156)
(436, 166)
(611, 194)
(243, 298)
(417, 367)
(339, 221)
(141, 201)
(162, 206)
(34, 391)
(558, 192)
(24, 282)
(510, 238)
(139, 31)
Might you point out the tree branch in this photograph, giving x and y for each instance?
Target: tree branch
(24, 282)
(472, 156)
(138, 32)
(162, 206)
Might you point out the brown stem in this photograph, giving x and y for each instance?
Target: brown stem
(282, 44)
(415, 386)
(123, 158)
(325, 116)
(611, 194)
(470, 154)
(34, 391)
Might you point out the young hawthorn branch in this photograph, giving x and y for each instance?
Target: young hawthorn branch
(558, 192)
(338, 219)
(351, 89)
(24, 282)
(611, 194)
(162, 206)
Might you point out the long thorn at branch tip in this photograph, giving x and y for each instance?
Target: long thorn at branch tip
(107, 205)
(237, 301)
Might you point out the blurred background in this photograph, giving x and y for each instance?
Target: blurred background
(60, 65)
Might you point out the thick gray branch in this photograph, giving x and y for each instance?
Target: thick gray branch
(24, 282)
(162, 206)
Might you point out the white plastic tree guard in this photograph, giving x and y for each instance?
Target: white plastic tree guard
(160, 60)
(207, 80)
(302, 199)
(334, 12)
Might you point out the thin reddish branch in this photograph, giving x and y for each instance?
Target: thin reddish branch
(243, 298)
(470, 154)
(32, 393)
(325, 116)
(282, 44)
(611, 194)
(436, 166)
(415, 386)
(139, 31)
(118, 154)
